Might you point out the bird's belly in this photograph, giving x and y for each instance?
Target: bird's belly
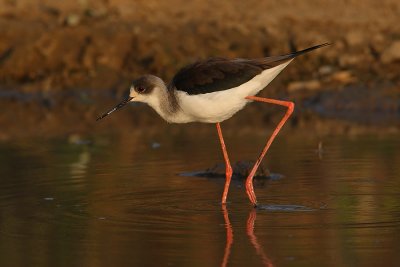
(210, 108)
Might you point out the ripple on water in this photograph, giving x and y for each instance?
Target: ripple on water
(285, 208)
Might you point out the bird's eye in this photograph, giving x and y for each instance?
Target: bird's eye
(140, 89)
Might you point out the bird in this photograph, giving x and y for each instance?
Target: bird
(212, 91)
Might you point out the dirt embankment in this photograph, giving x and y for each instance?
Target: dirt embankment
(54, 45)
(87, 49)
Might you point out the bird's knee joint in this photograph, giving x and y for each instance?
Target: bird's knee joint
(290, 106)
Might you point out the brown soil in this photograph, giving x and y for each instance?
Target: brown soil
(52, 49)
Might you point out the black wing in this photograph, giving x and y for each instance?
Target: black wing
(218, 74)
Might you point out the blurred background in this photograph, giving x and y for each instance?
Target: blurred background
(76, 192)
(63, 63)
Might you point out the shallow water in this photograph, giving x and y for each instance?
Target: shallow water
(121, 201)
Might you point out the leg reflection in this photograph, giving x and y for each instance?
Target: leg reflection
(253, 238)
(250, 234)
(229, 236)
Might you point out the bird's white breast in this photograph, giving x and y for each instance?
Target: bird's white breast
(221, 105)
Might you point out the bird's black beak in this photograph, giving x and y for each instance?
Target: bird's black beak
(120, 105)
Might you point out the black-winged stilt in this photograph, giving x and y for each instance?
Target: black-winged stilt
(212, 91)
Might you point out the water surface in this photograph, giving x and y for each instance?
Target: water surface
(120, 201)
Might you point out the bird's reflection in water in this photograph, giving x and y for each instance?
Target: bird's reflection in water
(229, 236)
(253, 238)
(250, 233)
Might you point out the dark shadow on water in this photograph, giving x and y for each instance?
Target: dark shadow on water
(241, 170)
(287, 208)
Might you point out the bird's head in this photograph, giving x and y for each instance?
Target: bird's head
(145, 89)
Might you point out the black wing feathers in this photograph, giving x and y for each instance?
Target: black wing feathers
(218, 74)
(215, 74)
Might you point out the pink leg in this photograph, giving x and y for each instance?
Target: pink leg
(228, 171)
(290, 108)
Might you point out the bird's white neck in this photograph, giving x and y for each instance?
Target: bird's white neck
(164, 103)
